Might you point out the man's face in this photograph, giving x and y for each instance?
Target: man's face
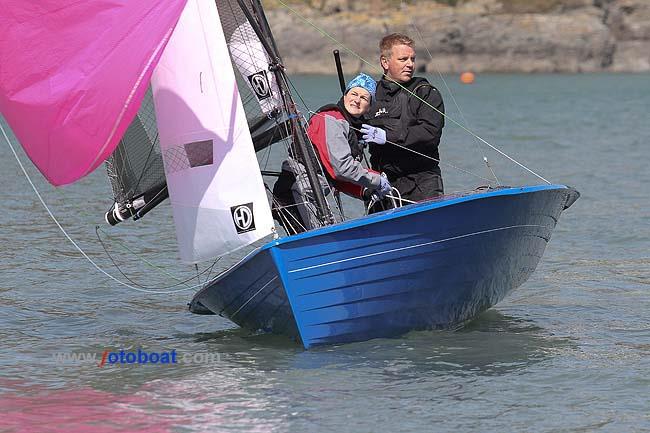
(401, 63)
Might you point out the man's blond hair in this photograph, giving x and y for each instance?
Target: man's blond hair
(388, 42)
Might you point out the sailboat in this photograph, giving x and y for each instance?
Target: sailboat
(177, 96)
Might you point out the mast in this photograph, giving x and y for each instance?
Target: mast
(303, 149)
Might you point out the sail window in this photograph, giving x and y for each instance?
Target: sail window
(188, 155)
(199, 153)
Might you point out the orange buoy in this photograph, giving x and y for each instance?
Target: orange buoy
(467, 78)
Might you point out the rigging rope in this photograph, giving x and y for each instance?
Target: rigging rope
(65, 233)
(158, 268)
(462, 115)
(418, 153)
(376, 69)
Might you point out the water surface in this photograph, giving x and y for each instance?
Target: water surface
(568, 351)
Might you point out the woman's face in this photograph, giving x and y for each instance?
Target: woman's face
(357, 101)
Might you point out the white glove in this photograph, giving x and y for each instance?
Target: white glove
(372, 134)
(384, 187)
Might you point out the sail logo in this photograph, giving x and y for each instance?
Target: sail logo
(260, 85)
(243, 218)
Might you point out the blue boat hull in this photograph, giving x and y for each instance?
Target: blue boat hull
(435, 264)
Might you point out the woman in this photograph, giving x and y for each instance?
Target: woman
(335, 133)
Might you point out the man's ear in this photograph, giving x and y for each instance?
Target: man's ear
(384, 62)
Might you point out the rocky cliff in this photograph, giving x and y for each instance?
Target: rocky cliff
(476, 35)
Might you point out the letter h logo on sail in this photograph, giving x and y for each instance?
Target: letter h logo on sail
(260, 84)
(243, 217)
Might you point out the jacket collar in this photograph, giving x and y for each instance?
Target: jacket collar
(391, 87)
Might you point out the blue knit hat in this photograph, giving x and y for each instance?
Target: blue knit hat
(364, 81)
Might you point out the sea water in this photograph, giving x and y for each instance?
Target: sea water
(568, 351)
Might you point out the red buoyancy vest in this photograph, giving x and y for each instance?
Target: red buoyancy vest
(318, 137)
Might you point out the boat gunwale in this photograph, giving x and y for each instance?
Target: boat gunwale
(410, 209)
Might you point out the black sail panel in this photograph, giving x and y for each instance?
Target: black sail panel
(135, 169)
(257, 84)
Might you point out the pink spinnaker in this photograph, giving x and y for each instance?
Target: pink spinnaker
(73, 74)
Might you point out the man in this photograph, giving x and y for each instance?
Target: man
(400, 118)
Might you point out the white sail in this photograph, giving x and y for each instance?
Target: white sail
(215, 186)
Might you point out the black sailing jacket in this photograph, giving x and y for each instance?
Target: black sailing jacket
(408, 122)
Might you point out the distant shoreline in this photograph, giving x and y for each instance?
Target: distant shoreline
(575, 36)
